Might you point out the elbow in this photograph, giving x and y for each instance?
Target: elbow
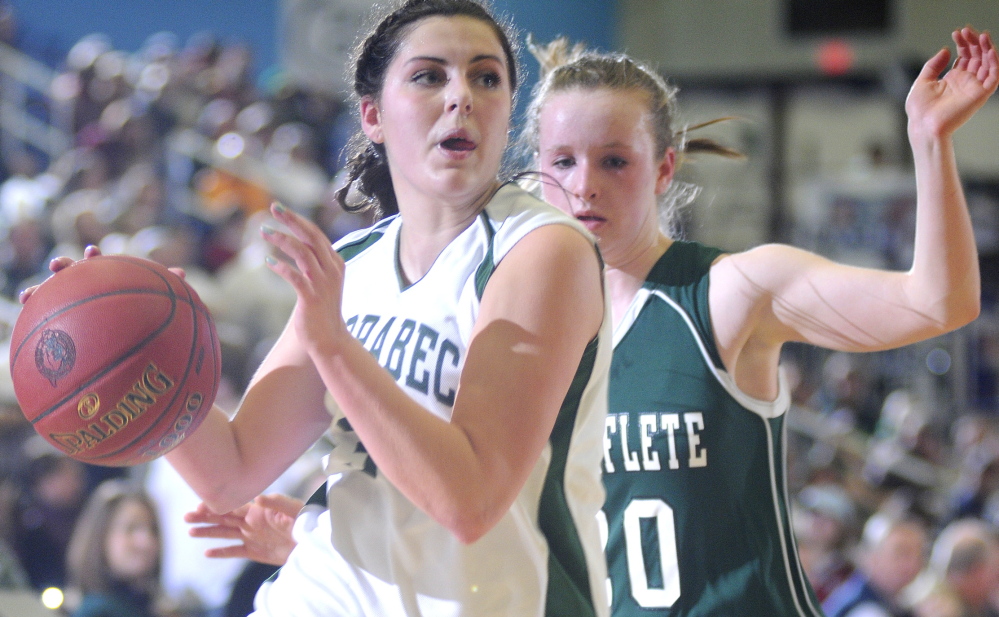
(962, 311)
(470, 531)
(468, 522)
(973, 310)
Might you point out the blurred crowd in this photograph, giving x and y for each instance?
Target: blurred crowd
(176, 152)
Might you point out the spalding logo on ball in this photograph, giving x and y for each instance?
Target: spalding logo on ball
(115, 360)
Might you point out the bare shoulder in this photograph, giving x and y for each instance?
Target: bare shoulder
(555, 269)
(556, 249)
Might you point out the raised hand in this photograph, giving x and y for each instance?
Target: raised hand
(939, 105)
(262, 526)
(316, 273)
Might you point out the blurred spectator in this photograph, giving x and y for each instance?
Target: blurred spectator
(14, 430)
(293, 170)
(825, 525)
(266, 300)
(976, 449)
(23, 254)
(12, 573)
(891, 554)
(27, 190)
(114, 557)
(979, 495)
(52, 496)
(964, 572)
(847, 392)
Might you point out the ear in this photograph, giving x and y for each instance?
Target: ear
(665, 171)
(371, 120)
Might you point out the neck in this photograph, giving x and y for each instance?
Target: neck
(429, 226)
(627, 275)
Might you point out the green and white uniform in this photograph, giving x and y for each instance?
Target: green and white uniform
(697, 507)
(387, 557)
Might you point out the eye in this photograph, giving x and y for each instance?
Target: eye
(615, 162)
(490, 79)
(428, 77)
(563, 162)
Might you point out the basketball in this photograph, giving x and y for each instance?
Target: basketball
(115, 360)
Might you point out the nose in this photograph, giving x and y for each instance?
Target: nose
(459, 96)
(584, 183)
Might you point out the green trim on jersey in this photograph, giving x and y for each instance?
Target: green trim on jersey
(697, 507)
(349, 251)
(569, 592)
(485, 269)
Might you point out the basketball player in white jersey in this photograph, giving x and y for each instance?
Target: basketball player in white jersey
(456, 352)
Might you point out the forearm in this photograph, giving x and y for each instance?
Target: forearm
(428, 459)
(944, 277)
(209, 461)
(229, 462)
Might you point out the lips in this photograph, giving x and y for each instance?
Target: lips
(586, 215)
(458, 144)
(589, 220)
(457, 141)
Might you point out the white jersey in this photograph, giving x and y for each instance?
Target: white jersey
(387, 557)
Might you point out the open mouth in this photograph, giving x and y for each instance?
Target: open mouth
(458, 144)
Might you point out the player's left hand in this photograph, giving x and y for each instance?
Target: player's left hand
(262, 526)
(938, 106)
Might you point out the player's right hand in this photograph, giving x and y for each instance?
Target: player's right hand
(59, 263)
(56, 265)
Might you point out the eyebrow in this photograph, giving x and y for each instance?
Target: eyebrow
(607, 146)
(436, 60)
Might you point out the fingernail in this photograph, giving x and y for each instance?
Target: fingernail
(279, 207)
(270, 261)
(267, 230)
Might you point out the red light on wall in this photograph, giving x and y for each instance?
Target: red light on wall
(834, 57)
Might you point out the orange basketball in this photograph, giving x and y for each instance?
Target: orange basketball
(115, 360)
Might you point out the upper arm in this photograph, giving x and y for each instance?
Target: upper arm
(542, 306)
(778, 293)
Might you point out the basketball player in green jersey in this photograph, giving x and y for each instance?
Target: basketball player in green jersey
(697, 516)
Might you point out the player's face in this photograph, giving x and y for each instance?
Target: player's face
(444, 110)
(599, 146)
(132, 546)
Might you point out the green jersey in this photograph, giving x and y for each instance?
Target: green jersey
(697, 507)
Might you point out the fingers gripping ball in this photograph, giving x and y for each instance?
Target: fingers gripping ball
(115, 360)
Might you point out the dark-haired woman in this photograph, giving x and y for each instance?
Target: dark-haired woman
(457, 353)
